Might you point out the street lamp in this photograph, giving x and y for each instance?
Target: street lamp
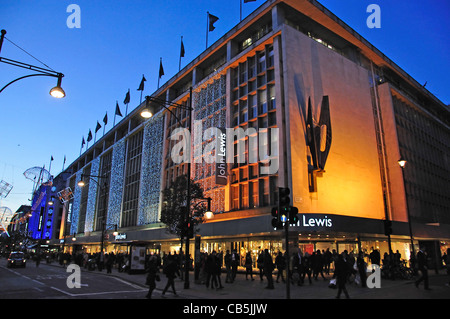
(402, 162)
(81, 183)
(147, 112)
(56, 92)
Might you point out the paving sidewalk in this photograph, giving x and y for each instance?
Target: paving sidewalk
(248, 289)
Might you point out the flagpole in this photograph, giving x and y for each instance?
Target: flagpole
(105, 121)
(126, 110)
(82, 144)
(240, 16)
(50, 166)
(207, 28)
(179, 64)
(159, 72)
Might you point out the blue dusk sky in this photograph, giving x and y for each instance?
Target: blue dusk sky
(119, 41)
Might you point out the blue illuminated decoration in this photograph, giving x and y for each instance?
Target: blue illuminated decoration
(76, 204)
(92, 196)
(41, 221)
(116, 184)
(150, 184)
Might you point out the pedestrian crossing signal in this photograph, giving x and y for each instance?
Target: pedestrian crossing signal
(293, 218)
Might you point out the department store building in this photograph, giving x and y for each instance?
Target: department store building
(327, 108)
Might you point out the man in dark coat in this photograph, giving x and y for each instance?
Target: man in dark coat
(422, 265)
(268, 268)
(341, 273)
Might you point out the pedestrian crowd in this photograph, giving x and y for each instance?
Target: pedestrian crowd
(95, 261)
(341, 269)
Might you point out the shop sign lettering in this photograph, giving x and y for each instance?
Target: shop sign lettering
(121, 236)
(314, 221)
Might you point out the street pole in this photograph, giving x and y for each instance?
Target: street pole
(413, 257)
(288, 287)
(188, 195)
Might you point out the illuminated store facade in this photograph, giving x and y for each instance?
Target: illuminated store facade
(327, 109)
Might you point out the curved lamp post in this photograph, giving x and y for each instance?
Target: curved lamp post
(56, 92)
(402, 162)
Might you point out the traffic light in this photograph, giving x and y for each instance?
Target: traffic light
(276, 221)
(293, 212)
(190, 229)
(283, 196)
(284, 203)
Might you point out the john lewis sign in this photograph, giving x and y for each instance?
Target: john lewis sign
(314, 221)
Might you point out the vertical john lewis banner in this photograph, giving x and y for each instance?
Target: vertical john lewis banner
(221, 157)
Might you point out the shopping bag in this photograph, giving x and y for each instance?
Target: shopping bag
(332, 284)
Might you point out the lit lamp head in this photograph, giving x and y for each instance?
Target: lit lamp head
(402, 162)
(146, 112)
(57, 91)
(81, 182)
(209, 214)
(115, 233)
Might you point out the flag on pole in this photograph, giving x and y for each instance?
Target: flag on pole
(127, 96)
(105, 121)
(82, 144)
(89, 138)
(126, 101)
(117, 113)
(96, 130)
(211, 19)
(182, 48)
(181, 53)
(161, 70)
(141, 86)
(118, 109)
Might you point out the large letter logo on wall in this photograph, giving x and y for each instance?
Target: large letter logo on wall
(318, 140)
